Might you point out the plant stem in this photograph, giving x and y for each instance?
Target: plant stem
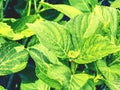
(1, 10)
(6, 4)
(39, 6)
(29, 7)
(73, 67)
(10, 82)
(35, 6)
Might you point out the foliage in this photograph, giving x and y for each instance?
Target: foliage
(49, 52)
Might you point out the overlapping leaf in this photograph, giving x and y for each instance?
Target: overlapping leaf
(81, 82)
(88, 37)
(5, 30)
(83, 5)
(116, 4)
(66, 9)
(13, 58)
(20, 24)
(48, 68)
(37, 85)
(110, 73)
(109, 17)
(53, 36)
(18, 29)
(56, 74)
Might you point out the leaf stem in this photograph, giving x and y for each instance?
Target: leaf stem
(73, 67)
(6, 4)
(29, 7)
(35, 6)
(39, 6)
(1, 10)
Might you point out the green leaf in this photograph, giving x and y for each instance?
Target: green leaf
(13, 58)
(34, 40)
(5, 30)
(56, 74)
(109, 18)
(83, 5)
(48, 67)
(96, 48)
(88, 38)
(53, 36)
(53, 15)
(20, 24)
(66, 9)
(2, 88)
(111, 74)
(42, 64)
(2, 40)
(29, 80)
(60, 73)
(37, 85)
(81, 27)
(41, 72)
(8, 32)
(20, 28)
(23, 34)
(40, 49)
(116, 4)
(81, 82)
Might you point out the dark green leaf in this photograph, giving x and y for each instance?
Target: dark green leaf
(13, 58)
(20, 24)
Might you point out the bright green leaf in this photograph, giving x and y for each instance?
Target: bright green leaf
(81, 82)
(46, 66)
(66, 9)
(41, 72)
(25, 33)
(2, 88)
(108, 17)
(51, 58)
(37, 85)
(5, 30)
(42, 64)
(88, 37)
(53, 36)
(96, 48)
(116, 4)
(83, 5)
(111, 74)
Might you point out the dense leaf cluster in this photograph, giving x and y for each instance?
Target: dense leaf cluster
(70, 46)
